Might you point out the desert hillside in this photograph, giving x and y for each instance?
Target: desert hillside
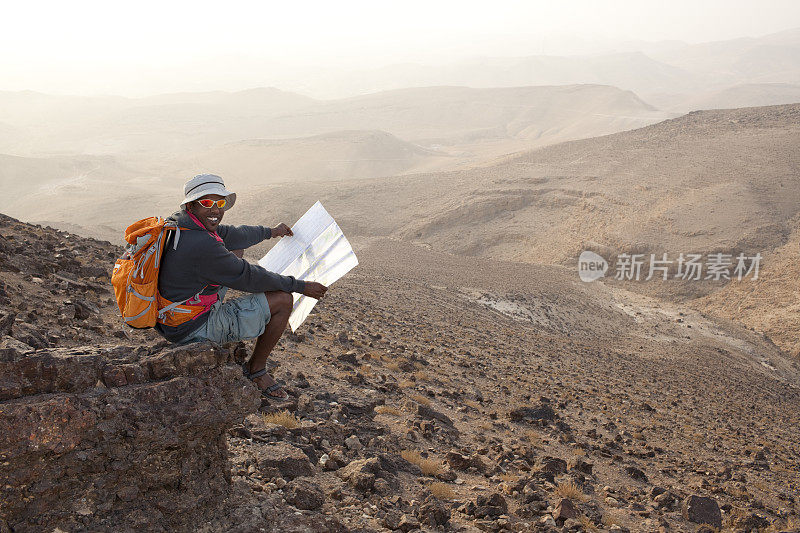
(712, 181)
(77, 149)
(171, 125)
(741, 95)
(709, 180)
(772, 303)
(337, 155)
(453, 115)
(464, 394)
(664, 73)
(102, 125)
(705, 181)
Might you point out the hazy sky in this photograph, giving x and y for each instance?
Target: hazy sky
(155, 46)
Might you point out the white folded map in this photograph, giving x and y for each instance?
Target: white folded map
(318, 251)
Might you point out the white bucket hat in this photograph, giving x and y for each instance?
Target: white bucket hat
(204, 184)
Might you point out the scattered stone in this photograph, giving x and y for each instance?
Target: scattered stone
(547, 521)
(751, 522)
(565, 510)
(30, 335)
(665, 500)
(85, 309)
(433, 513)
(553, 465)
(702, 510)
(304, 494)
(490, 506)
(392, 520)
(114, 376)
(6, 322)
(361, 474)
(446, 475)
(353, 443)
(428, 412)
(12, 349)
(636, 474)
(541, 412)
(337, 459)
(381, 486)
(407, 523)
(349, 357)
(290, 461)
(458, 461)
(580, 465)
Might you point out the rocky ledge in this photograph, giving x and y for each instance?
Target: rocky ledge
(118, 438)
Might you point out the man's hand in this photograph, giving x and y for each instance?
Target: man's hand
(281, 230)
(315, 290)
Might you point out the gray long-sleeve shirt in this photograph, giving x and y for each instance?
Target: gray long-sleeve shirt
(201, 260)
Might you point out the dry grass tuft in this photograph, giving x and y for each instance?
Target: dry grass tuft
(569, 490)
(377, 355)
(533, 437)
(429, 467)
(509, 478)
(421, 375)
(443, 491)
(421, 399)
(587, 524)
(472, 403)
(366, 370)
(394, 367)
(407, 384)
(387, 410)
(282, 418)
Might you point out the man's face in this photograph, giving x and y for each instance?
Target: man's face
(209, 217)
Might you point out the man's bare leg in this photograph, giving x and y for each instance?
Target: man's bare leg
(280, 307)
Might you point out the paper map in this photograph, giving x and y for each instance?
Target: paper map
(318, 251)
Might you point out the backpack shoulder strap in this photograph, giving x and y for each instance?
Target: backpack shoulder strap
(173, 226)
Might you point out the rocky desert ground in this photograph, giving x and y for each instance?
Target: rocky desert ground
(429, 392)
(462, 378)
(483, 159)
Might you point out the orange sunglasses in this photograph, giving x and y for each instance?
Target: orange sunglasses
(208, 203)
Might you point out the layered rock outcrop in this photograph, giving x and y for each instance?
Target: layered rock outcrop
(115, 438)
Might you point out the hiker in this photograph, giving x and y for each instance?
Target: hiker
(205, 262)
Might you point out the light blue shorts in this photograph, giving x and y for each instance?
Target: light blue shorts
(236, 320)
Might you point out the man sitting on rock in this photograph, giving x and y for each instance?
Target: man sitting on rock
(206, 260)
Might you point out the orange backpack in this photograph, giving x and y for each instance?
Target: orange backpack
(135, 277)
